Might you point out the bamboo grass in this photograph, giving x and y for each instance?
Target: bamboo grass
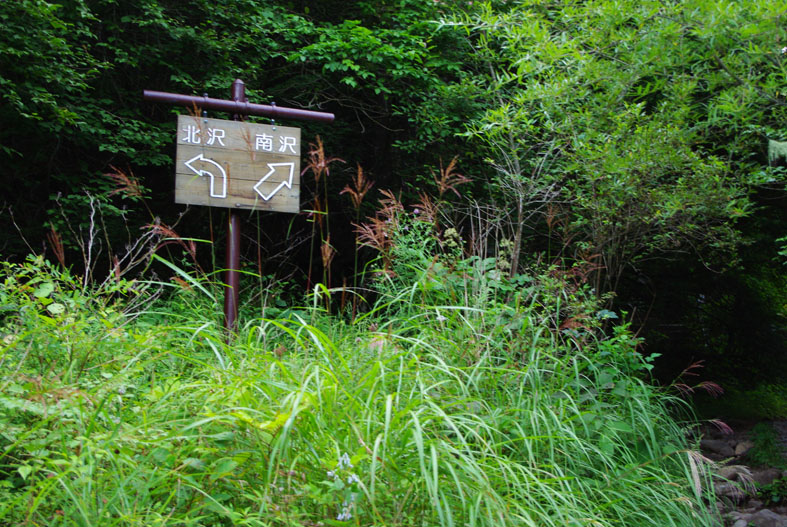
(419, 413)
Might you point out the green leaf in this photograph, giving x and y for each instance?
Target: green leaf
(619, 426)
(44, 290)
(194, 463)
(224, 467)
(56, 308)
(606, 445)
(25, 471)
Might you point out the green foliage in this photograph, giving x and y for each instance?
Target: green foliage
(367, 60)
(49, 311)
(774, 493)
(641, 124)
(617, 133)
(762, 400)
(766, 450)
(636, 119)
(73, 76)
(734, 322)
(419, 413)
(34, 36)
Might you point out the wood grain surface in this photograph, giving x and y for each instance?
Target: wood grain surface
(240, 149)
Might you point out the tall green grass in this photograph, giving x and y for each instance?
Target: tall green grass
(475, 412)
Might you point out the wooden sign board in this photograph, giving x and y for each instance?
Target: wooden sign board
(237, 165)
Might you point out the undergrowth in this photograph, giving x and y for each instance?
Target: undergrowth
(765, 401)
(767, 450)
(460, 398)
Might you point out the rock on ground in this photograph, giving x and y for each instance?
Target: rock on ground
(734, 482)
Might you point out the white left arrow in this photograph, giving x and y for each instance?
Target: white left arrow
(285, 181)
(222, 192)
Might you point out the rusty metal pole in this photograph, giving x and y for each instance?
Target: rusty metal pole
(231, 293)
(239, 107)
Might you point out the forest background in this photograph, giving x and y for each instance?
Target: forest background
(624, 142)
(529, 228)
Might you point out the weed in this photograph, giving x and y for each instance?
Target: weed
(439, 406)
(767, 450)
(774, 493)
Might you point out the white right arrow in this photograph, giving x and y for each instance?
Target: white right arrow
(285, 182)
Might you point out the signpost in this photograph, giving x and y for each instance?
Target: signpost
(236, 165)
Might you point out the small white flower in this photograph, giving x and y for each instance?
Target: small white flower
(784, 50)
(344, 461)
(345, 514)
(353, 479)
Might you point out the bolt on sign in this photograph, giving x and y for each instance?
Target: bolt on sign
(237, 165)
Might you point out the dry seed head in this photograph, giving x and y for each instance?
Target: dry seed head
(390, 206)
(327, 252)
(169, 236)
(449, 179)
(57, 246)
(126, 183)
(318, 164)
(426, 209)
(361, 186)
(723, 427)
(712, 388)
